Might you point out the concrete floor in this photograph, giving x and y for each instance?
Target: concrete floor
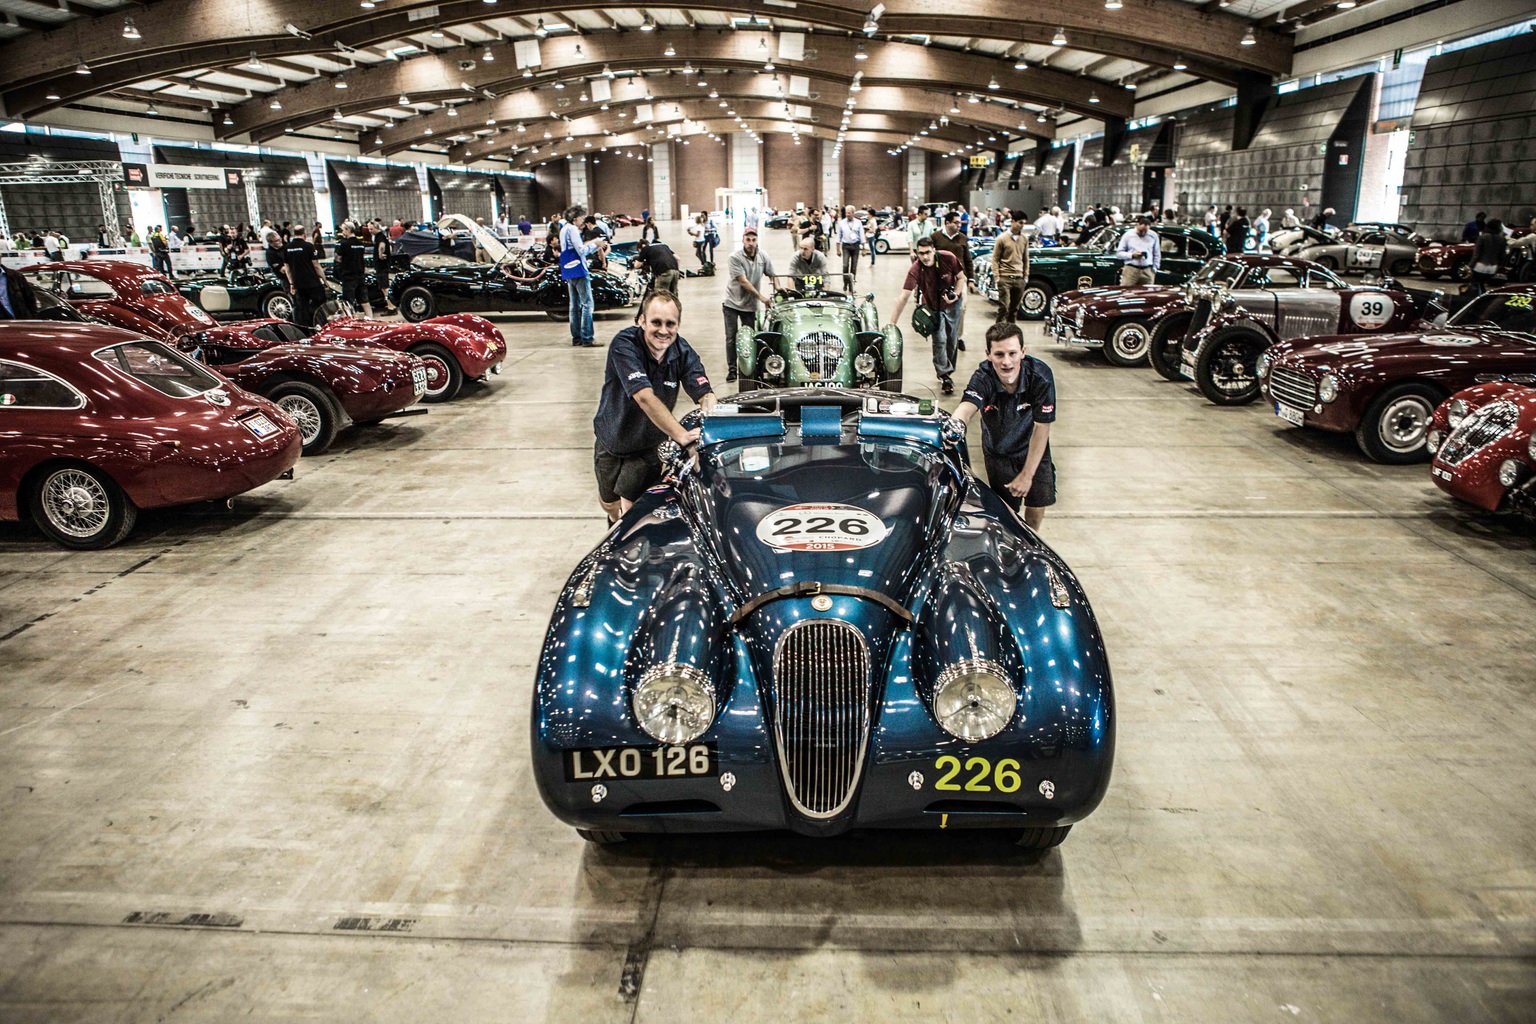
(273, 762)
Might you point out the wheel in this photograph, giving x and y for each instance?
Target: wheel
(1226, 369)
(1041, 838)
(444, 378)
(1035, 300)
(278, 305)
(1166, 346)
(602, 837)
(882, 246)
(1127, 343)
(1396, 423)
(312, 409)
(416, 304)
(81, 507)
(327, 310)
(1461, 270)
(1401, 268)
(1527, 272)
(558, 314)
(1327, 262)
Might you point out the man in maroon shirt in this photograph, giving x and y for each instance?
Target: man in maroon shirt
(939, 279)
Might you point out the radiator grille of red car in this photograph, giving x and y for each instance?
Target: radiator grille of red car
(1292, 387)
(1480, 429)
(821, 712)
(1198, 319)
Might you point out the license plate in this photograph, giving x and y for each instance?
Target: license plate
(1293, 416)
(260, 425)
(1187, 366)
(695, 761)
(419, 380)
(1443, 474)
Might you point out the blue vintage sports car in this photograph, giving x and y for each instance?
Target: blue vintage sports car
(824, 623)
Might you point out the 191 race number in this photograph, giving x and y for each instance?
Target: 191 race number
(818, 527)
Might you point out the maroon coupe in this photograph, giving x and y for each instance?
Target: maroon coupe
(97, 423)
(1384, 388)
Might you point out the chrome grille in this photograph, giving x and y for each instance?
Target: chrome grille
(1481, 428)
(1299, 325)
(1198, 319)
(821, 713)
(820, 351)
(1292, 387)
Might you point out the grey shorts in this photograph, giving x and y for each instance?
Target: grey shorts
(625, 476)
(1042, 490)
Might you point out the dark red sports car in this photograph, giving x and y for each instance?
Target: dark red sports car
(1483, 442)
(455, 348)
(320, 386)
(1383, 388)
(97, 423)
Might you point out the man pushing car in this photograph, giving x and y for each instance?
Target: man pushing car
(648, 364)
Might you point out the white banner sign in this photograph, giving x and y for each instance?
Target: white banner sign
(179, 176)
(527, 53)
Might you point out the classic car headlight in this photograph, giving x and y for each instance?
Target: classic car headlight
(1082, 314)
(773, 366)
(1433, 441)
(974, 700)
(1510, 472)
(1328, 388)
(864, 365)
(1456, 413)
(674, 703)
(1261, 368)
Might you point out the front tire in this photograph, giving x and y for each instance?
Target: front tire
(417, 304)
(81, 507)
(444, 377)
(882, 246)
(1226, 370)
(1327, 262)
(1041, 838)
(1166, 346)
(312, 409)
(1402, 268)
(602, 837)
(1396, 424)
(558, 314)
(1461, 270)
(1035, 300)
(1128, 343)
(278, 305)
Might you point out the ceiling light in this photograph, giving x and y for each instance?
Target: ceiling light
(276, 103)
(130, 31)
(1019, 63)
(974, 99)
(1113, 5)
(1179, 63)
(521, 127)
(648, 25)
(1093, 97)
(1060, 38)
(859, 53)
(954, 108)
(488, 56)
(366, 5)
(378, 140)
(670, 51)
(341, 83)
(437, 32)
(541, 31)
(1129, 85)
(53, 94)
(1344, 5)
(152, 112)
(428, 131)
(490, 120)
(1249, 39)
(994, 83)
(227, 118)
(453, 111)
(559, 85)
(403, 101)
(254, 63)
(607, 71)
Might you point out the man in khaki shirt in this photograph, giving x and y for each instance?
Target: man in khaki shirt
(1010, 267)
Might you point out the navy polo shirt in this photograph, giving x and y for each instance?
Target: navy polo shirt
(622, 427)
(1008, 418)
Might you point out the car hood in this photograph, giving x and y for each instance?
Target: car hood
(800, 518)
(805, 316)
(1115, 297)
(1377, 351)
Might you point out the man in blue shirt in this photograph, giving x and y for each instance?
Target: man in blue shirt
(648, 364)
(578, 281)
(1015, 393)
(1141, 251)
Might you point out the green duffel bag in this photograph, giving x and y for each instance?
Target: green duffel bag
(925, 320)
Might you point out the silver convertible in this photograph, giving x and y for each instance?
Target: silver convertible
(1361, 250)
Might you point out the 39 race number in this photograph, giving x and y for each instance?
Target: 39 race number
(1370, 310)
(977, 775)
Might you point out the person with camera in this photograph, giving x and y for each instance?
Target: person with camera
(1015, 393)
(939, 279)
(649, 363)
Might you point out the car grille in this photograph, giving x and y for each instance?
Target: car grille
(821, 713)
(1293, 325)
(1198, 319)
(820, 351)
(1292, 387)
(1480, 429)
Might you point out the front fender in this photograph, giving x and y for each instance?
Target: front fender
(890, 348)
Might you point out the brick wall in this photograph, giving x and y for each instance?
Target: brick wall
(871, 176)
(699, 168)
(619, 184)
(791, 173)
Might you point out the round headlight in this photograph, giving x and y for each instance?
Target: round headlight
(674, 703)
(864, 364)
(1433, 441)
(1456, 412)
(1509, 472)
(974, 700)
(1328, 388)
(1261, 368)
(773, 366)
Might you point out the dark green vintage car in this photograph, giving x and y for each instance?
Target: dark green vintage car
(239, 294)
(811, 338)
(1068, 268)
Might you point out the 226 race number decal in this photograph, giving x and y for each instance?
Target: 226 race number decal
(816, 527)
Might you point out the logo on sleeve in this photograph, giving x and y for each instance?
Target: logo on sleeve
(703, 379)
(669, 383)
(637, 375)
(1047, 408)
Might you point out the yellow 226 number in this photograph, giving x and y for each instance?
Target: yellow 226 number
(1004, 775)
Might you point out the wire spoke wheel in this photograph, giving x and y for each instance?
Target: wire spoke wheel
(304, 412)
(76, 503)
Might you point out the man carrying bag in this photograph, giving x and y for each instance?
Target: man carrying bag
(573, 271)
(939, 279)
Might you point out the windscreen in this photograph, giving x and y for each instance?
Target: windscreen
(163, 369)
(1500, 312)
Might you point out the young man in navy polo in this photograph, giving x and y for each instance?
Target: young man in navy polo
(648, 365)
(1016, 396)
